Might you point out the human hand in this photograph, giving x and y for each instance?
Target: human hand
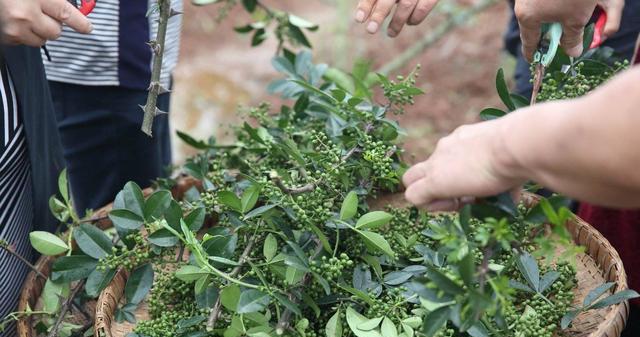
(614, 9)
(411, 12)
(572, 14)
(471, 162)
(33, 22)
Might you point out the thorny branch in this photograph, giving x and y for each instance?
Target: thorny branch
(157, 47)
(6, 247)
(65, 308)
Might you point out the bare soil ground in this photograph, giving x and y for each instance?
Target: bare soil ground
(219, 71)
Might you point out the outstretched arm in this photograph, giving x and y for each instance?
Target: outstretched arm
(588, 148)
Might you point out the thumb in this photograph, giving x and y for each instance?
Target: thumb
(572, 40)
(63, 11)
(614, 16)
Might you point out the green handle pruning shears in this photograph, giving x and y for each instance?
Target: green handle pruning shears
(542, 60)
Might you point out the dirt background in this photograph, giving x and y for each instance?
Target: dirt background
(219, 71)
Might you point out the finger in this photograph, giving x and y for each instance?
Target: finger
(414, 174)
(530, 36)
(63, 11)
(421, 11)
(47, 28)
(614, 16)
(380, 12)
(364, 10)
(571, 40)
(403, 12)
(30, 39)
(448, 205)
(419, 193)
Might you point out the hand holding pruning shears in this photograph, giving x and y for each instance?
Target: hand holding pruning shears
(571, 15)
(33, 22)
(557, 36)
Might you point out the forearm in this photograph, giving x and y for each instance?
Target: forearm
(588, 148)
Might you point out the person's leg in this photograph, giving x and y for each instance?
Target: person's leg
(103, 145)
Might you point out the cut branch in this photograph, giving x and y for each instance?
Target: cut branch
(151, 108)
(65, 308)
(438, 33)
(6, 247)
(292, 190)
(215, 311)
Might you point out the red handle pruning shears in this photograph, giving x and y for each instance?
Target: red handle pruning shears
(598, 31)
(84, 6)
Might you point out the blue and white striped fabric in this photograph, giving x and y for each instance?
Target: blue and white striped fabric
(116, 52)
(16, 205)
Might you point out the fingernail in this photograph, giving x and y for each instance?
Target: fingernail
(392, 33)
(372, 27)
(360, 15)
(441, 206)
(575, 51)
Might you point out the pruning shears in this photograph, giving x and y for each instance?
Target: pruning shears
(84, 6)
(542, 59)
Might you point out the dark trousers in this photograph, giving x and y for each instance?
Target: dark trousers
(103, 145)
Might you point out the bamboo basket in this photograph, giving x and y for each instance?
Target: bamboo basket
(599, 263)
(33, 285)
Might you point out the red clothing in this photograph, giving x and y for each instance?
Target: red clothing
(622, 229)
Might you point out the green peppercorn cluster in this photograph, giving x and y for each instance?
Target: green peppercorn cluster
(577, 81)
(402, 91)
(124, 257)
(332, 268)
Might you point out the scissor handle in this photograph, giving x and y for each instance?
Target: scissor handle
(85, 7)
(598, 30)
(554, 30)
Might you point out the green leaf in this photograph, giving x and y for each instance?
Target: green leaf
(139, 284)
(354, 319)
(250, 198)
(568, 318)
(230, 200)
(201, 284)
(388, 329)
(63, 185)
(258, 37)
(377, 242)
(92, 241)
(47, 244)
(370, 324)
(253, 300)
(195, 219)
(491, 113)
(349, 206)
(223, 261)
(596, 293)
(244, 29)
(414, 322)
(616, 298)
(173, 215)
(52, 294)
(190, 273)
(197, 144)
(548, 279)
(259, 211)
(467, 270)
(288, 303)
(443, 282)
(229, 297)
(529, 269)
(163, 238)
(250, 5)
(207, 298)
(374, 220)
(98, 280)
(125, 219)
(374, 263)
(133, 198)
(334, 326)
(519, 101)
(156, 205)
(395, 278)
(72, 268)
(434, 321)
(536, 214)
(270, 247)
(503, 90)
(301, 23)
